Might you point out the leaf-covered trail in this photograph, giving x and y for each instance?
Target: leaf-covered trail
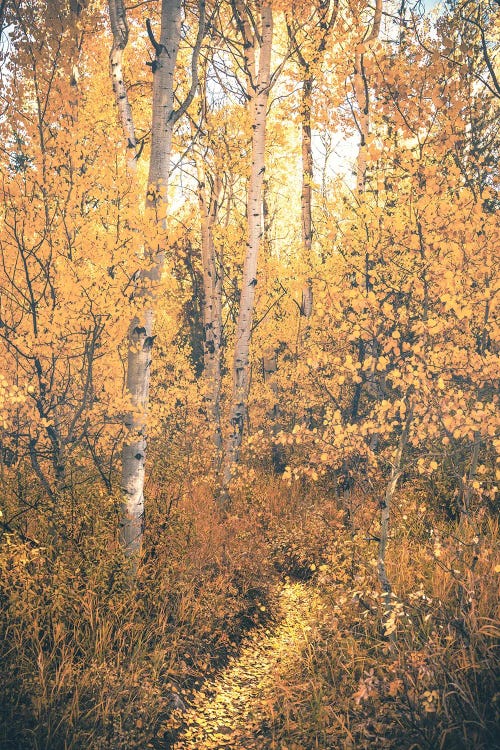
(231, 710)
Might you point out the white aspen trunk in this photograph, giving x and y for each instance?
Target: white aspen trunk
(119, 29)
(141, 330)
(306, 200)
(306, 307)
(269, 370)
(259, 88)
(75, 8)
(325, 17)
(211, 303)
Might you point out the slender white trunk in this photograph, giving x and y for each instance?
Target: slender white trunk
(324, 18)
(259, 84)
(141, 335)
(77, 36)
(363, 117)
(119, 29)
(306, 201)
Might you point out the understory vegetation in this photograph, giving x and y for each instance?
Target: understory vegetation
(88, 662)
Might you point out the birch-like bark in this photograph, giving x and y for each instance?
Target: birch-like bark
(259, 84)
(141, 334)
(119, 29)
(326, 17)
(75, 9)
(306, 308)
(140, 337)
(212, 301)
(141, 331)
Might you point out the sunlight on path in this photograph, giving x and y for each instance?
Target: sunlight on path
(228, 711)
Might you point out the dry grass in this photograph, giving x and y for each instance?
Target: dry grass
(88, 662)
(436, 685)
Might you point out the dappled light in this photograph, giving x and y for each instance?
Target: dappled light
(232, 711)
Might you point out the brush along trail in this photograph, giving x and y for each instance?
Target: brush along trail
(233, 709)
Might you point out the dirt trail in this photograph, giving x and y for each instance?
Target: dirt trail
(229, 711)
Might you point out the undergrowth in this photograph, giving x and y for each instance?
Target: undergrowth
(428, 677)
(88, 661)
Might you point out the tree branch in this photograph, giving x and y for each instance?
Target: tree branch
(176, 114)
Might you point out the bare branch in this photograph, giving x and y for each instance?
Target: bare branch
(156, 46)
(176, 114)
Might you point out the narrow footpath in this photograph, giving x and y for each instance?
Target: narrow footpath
(232, 710)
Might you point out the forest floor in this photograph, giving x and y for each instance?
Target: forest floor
(232, 710)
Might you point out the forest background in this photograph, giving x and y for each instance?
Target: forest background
(249, 335)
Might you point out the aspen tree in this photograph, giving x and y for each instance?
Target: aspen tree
(324, 18)
(61, 309)
(141, 333)
(385, 514)
(257, 56)
(362, 94)
(209, 185)
(38, 54)
(119, 29)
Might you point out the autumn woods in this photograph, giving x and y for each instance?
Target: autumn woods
(249, 340)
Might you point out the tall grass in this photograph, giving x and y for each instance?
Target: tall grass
(436, 684)
(89, 662)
